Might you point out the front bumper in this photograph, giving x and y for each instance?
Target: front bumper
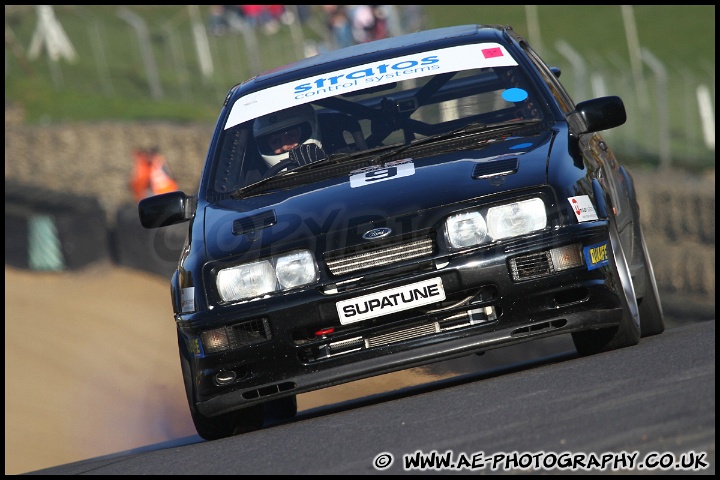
(300, 346)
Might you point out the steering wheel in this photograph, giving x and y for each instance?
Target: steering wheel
(281, 165)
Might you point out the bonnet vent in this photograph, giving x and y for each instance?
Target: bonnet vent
(506, 166)
(254, 222)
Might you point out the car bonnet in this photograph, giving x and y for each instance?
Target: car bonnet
(407, 195)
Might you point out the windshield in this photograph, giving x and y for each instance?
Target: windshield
(358, 121)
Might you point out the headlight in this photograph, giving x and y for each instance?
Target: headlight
(476, 227)
(245, 281)
(465, 229)
(295, 269)
(282, 272)
(516, 219)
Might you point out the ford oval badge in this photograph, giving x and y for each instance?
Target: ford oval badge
(376, 233)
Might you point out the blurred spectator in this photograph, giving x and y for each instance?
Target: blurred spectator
(235, 18)
(338, 25)
(381, 24)
(254, 14)
(369, 22)
(217, 23)
(225, 18)
(266, 16)
(304, 12)
(346, 25)
(151, 174)
(362, 21)
(352, 24)
(392, 19)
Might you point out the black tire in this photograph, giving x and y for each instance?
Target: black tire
(281, 409)
(221, 426)
(651, 314)
(627, 332)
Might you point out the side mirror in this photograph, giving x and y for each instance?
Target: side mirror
(166, 209)
(601, 113)
(556, 71)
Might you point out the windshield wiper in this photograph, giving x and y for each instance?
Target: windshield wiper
(284, 178)
(471, 128)
(287, 177)
(247, 189)
(339, 157)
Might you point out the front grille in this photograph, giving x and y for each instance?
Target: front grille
(473, 317)
(248, 333)
(400, 335)
(531, 266)
(380, 257)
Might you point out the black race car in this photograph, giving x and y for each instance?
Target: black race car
(396, 203)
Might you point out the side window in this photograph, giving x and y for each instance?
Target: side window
(560, 94)
(237, 163)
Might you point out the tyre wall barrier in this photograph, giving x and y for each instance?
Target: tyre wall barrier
(152, 250)
(677, 212)
(50, 231)
(677, 216)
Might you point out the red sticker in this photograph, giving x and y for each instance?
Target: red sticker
(576, 207)
(492, 52)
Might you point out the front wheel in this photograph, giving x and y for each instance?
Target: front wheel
(246, 420)
(627, 332)
(281, 409)
(221, 426)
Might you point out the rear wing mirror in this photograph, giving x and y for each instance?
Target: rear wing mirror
(601, 113)
(166, 209)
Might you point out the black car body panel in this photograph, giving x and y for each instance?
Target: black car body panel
(449, 176)
(469, 206)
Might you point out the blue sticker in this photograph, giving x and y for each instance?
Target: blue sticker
(514, 95)
(596, 255)
(521, 145)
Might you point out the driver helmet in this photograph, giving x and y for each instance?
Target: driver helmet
(267, 128)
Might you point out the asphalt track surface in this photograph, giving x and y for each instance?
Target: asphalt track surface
(656, 400)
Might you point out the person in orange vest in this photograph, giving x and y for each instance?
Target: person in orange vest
(140, 177)
(161, 180)
(151, 174)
